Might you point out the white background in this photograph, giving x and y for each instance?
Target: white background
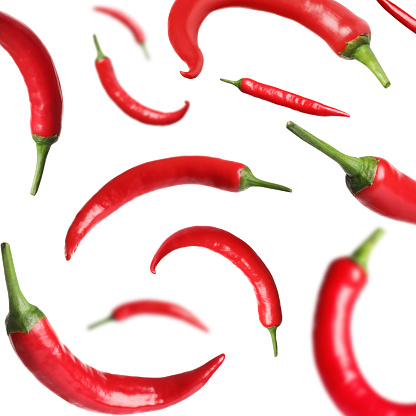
(296, 235)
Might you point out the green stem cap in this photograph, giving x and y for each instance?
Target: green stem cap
(360, 171)
(100, 54)
(362, 253)
(43, 145)
(247, 179)
(272, 331)
(100, 322)
(22, 315)
(236, 83)
(144, 49)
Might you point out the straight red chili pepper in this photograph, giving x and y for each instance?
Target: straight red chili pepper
(125, 102)
(129, 22)
(399, 14)
(333, 350)
(286, 99)
(42, 82)
(347, 34)
(38, 347)
(373, 181)
(241, 255)
(153, 307)
(158, 174)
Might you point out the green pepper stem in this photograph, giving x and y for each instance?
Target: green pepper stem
(272, 331)
(362, 253)
(144, 49)
(100, 54)
(42, 151)
(247, 179)
(236, 83)
(100, 322)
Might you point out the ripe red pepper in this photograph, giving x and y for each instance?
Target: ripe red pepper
(373, 181)
(285, 98)
(42, 82)
(51, 362)
(126, 103)
(347, 34)
(154, 307)
(333, 350)
(399, 14)
(158, 174)
(129, 22)
(241, 255)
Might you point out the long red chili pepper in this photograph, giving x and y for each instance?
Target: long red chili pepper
(154, 307)
(334, 353)
(240, 254)
(126, 103)
(129, 22)
(373, 181)
(284, 98)
(38, 347)
(150, 176)
(347, 34)
(399, 14)
(42, 82)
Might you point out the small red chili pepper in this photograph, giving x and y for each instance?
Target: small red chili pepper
(126, 103)
(129, 22)
(399, 14)
(158, 174)
(241, 255)
(286, 99)
(154, 307)
(347, 34)
(373, 181)
(38, 347)
(42, 82)
(333, 349)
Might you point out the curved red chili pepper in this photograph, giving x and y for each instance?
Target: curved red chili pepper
(153, 307)
(241, 255)
(42, 82)
(284, 98)
(38, 347)
(373, 181)
(129, 22)
(126, 103)
(345, 33)
(399, 14)
(334, 353)
(158, 174)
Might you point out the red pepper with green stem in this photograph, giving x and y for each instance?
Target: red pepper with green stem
(241, 255)
(346, 34)
(152, 307)
(158, 174)
(42, 82)
(284, 98)
(372, 180)
(38, 347)
(399, 14)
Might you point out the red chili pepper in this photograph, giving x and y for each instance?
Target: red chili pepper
(241, 255)
(42, 82)
(38, 347)
(373, 181)
(284, 98)
(129, 22)
(126, 103)
(150, 176)
(399, 14)
(334, 353)
(154, 307)
(347, 34)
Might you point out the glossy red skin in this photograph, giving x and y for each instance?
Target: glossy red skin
(39, 73)
(126, 20)
(156, 307)
(61, 372)
(288, 99)
(399, 14)
(328, 19)
(392, 194)
(240, 254)
(130, 106)
(148, 177)
(334, 353)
